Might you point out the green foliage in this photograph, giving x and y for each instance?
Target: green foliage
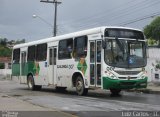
(1, 65)
(3, 41)
(5, 52)
(153, 30)
(20, 41)
(158, 66)
(151, 42)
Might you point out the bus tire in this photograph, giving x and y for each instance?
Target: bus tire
(31, 84)
(115, 91)
(81, 90)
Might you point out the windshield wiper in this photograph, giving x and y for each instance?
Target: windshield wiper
(119, 44)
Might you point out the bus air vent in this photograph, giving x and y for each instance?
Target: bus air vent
(128, 72)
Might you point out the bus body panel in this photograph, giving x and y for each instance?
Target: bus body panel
(65, 69)
(40, 75)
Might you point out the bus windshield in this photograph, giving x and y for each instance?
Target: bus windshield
(133, 54)
(125, 53)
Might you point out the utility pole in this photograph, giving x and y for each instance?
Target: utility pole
(55, 14)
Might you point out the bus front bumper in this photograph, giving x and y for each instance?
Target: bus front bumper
(109, 83)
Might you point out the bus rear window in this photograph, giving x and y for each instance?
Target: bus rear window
(16, 55)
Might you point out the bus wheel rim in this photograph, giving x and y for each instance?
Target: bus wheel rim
(30, 83)
(79, 85)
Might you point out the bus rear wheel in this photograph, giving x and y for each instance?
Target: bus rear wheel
(115, 91)
(81, 90)
(31, 84)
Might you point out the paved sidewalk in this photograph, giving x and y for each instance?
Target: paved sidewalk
(10, 105)
(151, 88)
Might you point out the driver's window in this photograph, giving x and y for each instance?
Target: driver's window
(136, 50)
(110, 54)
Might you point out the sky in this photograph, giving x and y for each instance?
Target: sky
(16, 21)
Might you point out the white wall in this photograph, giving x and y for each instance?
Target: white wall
(5, 73)
(153, 56)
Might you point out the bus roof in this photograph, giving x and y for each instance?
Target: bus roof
(70, 35)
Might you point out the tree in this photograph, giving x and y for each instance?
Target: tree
(151, 42)
(153, 30)
(5, 52)
(3, 41)
(20, 41)
(2, 65)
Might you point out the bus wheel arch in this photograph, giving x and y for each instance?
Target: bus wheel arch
(31, 83)
(74, 77)
(78, 82)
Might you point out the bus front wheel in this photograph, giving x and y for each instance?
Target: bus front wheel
(115, 91)
(81, 90)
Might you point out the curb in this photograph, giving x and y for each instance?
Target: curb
(147, 91)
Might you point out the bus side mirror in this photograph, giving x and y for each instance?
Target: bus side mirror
(104, 44)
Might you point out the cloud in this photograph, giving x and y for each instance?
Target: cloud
(16, 17)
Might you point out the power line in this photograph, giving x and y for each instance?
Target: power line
(125, 11)
(55, 14)
(97, 14)
(117, 17)
(133, 11)
(139, 19)
(141, 5)
(104, 13)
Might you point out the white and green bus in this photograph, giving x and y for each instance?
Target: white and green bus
(111, 58)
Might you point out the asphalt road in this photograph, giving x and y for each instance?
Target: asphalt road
(96, 103)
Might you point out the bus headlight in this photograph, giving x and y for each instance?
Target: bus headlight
(111, 75)
(144, 74)
(143, 77)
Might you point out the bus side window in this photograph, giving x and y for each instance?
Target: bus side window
(41, 52)
(80, 47)
(16, 55)
(65, 49)
(31, 53)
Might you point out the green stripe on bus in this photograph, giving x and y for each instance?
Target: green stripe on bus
(15, 69)
(28, 67)
(109, 83)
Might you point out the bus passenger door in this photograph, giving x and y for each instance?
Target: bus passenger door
(23, 67)
(52, 65)
(95, 63)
